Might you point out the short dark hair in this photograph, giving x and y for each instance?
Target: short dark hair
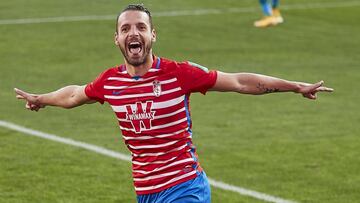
(135, 7)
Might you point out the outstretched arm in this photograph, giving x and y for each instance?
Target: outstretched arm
(249, 83)
(66, 97)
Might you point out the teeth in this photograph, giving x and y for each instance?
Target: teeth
(135, 47)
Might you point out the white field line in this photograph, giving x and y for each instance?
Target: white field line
(117, 155)
(178, 13)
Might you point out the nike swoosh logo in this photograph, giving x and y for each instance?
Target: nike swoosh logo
(116, 92)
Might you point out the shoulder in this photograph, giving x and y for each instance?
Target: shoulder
(105, 75)
(110, 72)
(172, 65)
(167, 64)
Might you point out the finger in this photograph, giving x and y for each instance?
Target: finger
(34, 107)
(324, 89)
(317, 85)
(310, 96)
(314, 96)
(19, 97)
(21, 93)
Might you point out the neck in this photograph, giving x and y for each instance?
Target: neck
(142, 69)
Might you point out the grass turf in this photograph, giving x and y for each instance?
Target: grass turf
(278, 144)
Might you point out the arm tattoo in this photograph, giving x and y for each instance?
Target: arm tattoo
(264, 89)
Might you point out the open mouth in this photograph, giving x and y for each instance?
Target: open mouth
(134, 47)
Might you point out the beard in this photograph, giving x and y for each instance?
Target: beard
(138, 60)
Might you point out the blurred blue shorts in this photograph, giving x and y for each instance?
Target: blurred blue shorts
(196, 190)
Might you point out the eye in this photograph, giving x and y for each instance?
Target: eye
(142, 27)
(124, 29)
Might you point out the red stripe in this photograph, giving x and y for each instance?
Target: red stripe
(157, 150)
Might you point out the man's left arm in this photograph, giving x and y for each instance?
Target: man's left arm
(256, 84)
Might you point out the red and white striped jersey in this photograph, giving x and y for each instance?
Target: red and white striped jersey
(154, 116)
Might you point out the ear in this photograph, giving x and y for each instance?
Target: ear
(153, 37)
(115, 39)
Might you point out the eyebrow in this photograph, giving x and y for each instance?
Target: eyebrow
(127, 24)
(141, 23)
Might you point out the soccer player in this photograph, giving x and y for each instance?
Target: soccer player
(150, 97)
(271, 13)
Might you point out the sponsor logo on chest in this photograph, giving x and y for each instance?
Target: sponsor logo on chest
(141, 116)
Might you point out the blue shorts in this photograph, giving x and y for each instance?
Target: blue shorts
(196, 190)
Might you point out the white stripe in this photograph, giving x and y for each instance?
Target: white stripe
(165, 167)
(153, 146)
(167, 183)
(155, 136)
(144, 130)
(129, 129)
(56, 19)
(169, 103)
(154, 162)
(150, 70)
(156, 105)
(153, 70)
(120, 156)
(67, 141)
(169, 124)
(170, 114)
(141, 95)
(107, 87)
(121, 79)
(179, 13)
(157, 176)
(315, 5)
(160, 153)
(123, 120)
(247, 192)
(141, 85)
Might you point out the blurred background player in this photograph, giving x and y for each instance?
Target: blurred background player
(271, 13)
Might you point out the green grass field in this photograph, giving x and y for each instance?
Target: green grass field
(279, 144)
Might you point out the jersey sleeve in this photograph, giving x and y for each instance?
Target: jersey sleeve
(195, 78)
(94, 90)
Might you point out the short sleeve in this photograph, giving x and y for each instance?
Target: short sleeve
(94, 90)
(195, 78)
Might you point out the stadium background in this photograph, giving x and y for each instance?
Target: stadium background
(279, 144)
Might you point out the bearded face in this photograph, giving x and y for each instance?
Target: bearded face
(135, 37)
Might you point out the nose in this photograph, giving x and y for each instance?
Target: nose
(134, 31)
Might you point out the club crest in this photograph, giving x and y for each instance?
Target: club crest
(157, 88)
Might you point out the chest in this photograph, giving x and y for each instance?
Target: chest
(120, 91)
(149, 103)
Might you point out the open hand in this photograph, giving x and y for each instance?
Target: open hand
(32, 100)
(309, 90)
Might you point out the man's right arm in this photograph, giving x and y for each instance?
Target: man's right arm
(66, 97)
